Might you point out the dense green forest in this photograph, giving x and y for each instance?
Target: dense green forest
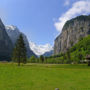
(76, 54)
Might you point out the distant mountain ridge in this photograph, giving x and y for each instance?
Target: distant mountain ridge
(49, 53)
(72, 32)
(14, 33)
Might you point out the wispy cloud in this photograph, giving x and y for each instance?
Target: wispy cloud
(67, 2)
(78, 8)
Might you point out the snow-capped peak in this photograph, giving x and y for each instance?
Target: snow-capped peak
(14, 33)
(40, 49)
(11, 27)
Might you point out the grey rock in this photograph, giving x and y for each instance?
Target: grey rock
(72, 32)
(6, 45)
(56, 88)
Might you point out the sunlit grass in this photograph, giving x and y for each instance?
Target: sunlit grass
(44, 77)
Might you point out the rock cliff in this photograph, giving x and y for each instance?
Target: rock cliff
(6, 45)
(74, 30)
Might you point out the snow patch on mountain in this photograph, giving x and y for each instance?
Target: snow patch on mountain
(40, 49)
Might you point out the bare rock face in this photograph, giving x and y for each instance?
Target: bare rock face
(72, 32)
(6, 45)
(14, 34)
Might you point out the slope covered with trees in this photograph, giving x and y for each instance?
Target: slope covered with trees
(76, 54)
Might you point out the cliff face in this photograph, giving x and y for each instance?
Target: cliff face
(14, 33)
(72, 32)
(6, 45)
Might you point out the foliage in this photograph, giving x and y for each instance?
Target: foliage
(32, 59)
(42, 58)
(74, 55)
(19, 52)
(81, 49)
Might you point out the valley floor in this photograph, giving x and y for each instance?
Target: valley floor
(44, 77)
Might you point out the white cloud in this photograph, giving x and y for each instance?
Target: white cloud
(40, 49)
(67, 2)
(78, 8)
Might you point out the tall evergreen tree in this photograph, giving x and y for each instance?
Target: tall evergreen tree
(42, 58)
(19, 52)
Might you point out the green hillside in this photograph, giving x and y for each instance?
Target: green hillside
(81, 49)
(76, 54)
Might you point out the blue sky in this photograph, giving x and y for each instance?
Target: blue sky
(40, 20)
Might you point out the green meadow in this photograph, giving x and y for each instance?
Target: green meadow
(44, 77)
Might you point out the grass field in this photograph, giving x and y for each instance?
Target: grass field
(44, 77)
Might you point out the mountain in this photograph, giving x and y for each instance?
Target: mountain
(40, 49)
(6, 45)
(81, 48)
(49, 53)
(74, 30)
(14, 33)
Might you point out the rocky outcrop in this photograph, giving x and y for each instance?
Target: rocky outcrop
(72, 32)
(6, 45)
(14, 34)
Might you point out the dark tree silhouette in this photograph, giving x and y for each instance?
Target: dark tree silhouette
(42, 58)
(19, 52)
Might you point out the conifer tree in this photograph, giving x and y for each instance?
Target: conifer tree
(42, 58)
(19, 52)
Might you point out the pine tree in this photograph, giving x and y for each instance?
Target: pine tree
(42, 58)
(19, 53)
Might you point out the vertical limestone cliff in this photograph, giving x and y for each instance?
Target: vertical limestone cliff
(74, 30)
